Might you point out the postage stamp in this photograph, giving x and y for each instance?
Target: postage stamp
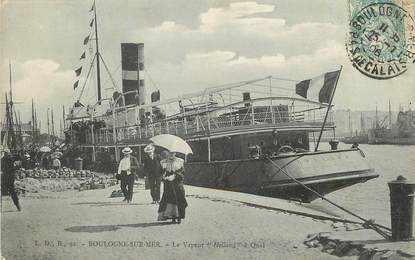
(382, 39)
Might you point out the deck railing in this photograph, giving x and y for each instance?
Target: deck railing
(202, 124)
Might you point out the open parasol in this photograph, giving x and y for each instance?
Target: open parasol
(44, 149)
(172, 143)
(57, 154)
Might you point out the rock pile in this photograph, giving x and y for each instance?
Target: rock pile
(36, 180)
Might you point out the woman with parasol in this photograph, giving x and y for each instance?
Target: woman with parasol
(173, 202)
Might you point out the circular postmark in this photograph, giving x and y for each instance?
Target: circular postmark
(382, 40)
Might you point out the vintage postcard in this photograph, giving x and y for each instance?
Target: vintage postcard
(207, 129)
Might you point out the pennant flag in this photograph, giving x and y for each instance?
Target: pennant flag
(155, 96)
(86, 40)
(319, 88)
(82, 56)
(75, 85)
(78, 71)
(91, 23)
(92, 7)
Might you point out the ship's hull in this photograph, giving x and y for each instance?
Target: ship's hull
(392, 140)
(324, 172)
(386, 137)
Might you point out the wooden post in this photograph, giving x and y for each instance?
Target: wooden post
(93, 142)
(272, 106)
(209, 156)
(252, 113)
(208, 118)
(230, 102)
(139, 154)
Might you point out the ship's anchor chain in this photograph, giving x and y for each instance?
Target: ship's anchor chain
(367, 223)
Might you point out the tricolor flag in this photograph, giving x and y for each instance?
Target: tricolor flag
(319, 88)
(86, 40)
(91, 23)
(78, 71)
(75, 85)
(82, 56)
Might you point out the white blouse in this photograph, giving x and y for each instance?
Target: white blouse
(172, 165)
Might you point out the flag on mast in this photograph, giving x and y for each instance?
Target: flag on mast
(86, 40)
(319, 88)
(78, 71)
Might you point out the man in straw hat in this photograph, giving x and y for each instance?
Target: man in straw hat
(153, 171)
(126, 170)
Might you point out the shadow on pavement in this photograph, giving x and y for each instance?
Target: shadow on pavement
(104, 228)
(106, 203)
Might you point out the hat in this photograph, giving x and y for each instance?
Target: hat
(149, 148)
(127, 150)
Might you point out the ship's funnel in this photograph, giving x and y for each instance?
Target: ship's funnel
(132, 61)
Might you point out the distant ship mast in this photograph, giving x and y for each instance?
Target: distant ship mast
(10, 138)
(97, 55)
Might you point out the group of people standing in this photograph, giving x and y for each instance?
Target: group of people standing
(169, 170)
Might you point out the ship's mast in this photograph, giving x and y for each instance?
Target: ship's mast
(37, 129)
(97, 55)
(350, 125)
(47, 119)
(390, 115)
(362, 123)
(33, 123)
(9, 114)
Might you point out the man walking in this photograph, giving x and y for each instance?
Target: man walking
(8, 168)
(126, 171)
(152, 170)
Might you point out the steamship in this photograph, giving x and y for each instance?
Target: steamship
(252, 136)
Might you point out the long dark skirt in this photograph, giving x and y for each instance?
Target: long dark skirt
(173, 202)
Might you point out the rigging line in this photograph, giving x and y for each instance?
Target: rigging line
(108, 71)
(267, 86)
(284, 79)
(106, 82)
(151, 79)
(87, 76)
(235, 84)
(374, 226)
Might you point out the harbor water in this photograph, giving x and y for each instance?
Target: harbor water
(371, 199)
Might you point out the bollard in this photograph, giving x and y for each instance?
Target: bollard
(402, 208)
(78, 164)
(334, 143)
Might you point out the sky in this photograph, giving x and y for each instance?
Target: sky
(189, 45)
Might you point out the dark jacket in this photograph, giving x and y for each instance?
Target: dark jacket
(152, 167)
(134, 164)
(8, 168)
